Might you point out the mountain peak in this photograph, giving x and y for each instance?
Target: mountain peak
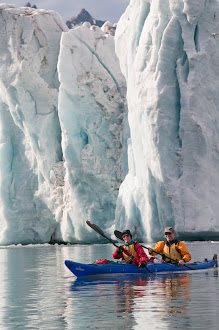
(83, 10)
(83, 16)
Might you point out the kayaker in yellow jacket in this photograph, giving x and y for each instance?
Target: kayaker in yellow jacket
(172, 248)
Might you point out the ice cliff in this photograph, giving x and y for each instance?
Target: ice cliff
(30, 134)
(93, 117)
(171, 66)
(62, 104)
(68, 150)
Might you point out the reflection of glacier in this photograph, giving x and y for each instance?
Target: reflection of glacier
(64, 130)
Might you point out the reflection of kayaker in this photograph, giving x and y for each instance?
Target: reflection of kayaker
(131, 252)
(174, 287)
(127, 292)
(171, 248)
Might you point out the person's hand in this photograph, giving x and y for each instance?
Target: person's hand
(120, 249)
(143, 264)
(181, 262)
(130, 260)
(150, 250)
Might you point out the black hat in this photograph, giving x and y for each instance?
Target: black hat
(126, 232)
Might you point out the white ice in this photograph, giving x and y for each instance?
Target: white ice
(168, 53)
(92, 113)
(64, 128)
(61, 150)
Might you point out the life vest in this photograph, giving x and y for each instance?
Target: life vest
(131, 249)
(172, 251)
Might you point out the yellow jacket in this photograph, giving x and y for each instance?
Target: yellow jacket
(131, 249)
(177, 250)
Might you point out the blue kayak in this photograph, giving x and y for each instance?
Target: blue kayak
(80, 270)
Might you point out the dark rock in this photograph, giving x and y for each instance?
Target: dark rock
(82, 17)
(29, 5)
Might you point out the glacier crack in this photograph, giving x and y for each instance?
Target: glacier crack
(101, 62)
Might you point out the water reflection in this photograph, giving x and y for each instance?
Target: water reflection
(39, 292)
(126, 292)
(153, 298)
(32, 295)
(172, 288)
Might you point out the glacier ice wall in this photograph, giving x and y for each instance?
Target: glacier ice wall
(168, 51)
(64, 129)
(30, 134)
(62, 144)
(93, 115)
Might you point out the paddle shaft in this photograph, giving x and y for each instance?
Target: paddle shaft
(100, 232)
(118, 234)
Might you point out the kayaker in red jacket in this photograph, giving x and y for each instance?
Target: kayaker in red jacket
(131, 252)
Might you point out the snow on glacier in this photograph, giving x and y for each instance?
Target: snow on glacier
(168, 51)
(92, 112)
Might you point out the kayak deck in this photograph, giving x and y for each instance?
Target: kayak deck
(79, 269)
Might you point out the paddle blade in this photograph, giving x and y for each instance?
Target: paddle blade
(118, 234)
(99, 231)
(96, 228)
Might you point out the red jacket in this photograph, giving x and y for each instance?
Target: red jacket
(141, 255)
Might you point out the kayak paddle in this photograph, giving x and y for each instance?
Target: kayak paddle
(101, 233)
(118, 234)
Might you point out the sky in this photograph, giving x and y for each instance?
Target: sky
(109, 10)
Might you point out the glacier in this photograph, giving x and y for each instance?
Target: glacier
(171, 66)
(63, 147)
(30, 130)
(93, 117)
(121, 131)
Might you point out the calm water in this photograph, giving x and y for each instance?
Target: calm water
(39, 292)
